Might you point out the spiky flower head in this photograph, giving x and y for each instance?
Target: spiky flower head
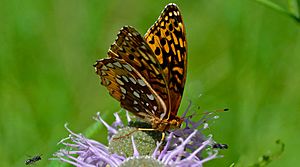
(128, 146)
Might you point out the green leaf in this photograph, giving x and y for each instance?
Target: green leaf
(293, 12)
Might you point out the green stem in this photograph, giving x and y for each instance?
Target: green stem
(92, 130)
(294, 7)
(279, 9)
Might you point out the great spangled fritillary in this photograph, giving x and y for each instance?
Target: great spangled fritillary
(147, 74)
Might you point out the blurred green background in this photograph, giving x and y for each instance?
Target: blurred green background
(241, 55)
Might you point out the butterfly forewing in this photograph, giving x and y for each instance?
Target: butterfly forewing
(167, 40)
(125, 84)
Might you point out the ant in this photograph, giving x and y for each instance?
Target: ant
(33, 160)
(220, 146)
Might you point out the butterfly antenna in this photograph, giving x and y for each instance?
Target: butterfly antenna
(194, 112)
(216, 111)
(209, 115)
(187, 109)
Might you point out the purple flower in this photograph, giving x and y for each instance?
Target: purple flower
(184, 147)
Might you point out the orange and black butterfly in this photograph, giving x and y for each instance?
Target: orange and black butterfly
(147, 74)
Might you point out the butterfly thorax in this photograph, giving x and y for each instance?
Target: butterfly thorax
(166, 124)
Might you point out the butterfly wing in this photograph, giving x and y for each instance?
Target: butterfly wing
(167, 40)
(131, 47)
(128, 86)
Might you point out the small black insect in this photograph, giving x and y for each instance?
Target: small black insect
(33, 160)
(220, 146)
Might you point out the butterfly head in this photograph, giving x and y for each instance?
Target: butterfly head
(166, 124)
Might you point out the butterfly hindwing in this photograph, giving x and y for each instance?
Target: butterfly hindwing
(167, 40)
(126, 85)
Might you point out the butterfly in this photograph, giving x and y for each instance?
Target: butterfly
(147, 74)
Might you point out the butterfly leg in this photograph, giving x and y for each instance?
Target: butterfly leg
(140, 129)
(116, 138)
(163, 135)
